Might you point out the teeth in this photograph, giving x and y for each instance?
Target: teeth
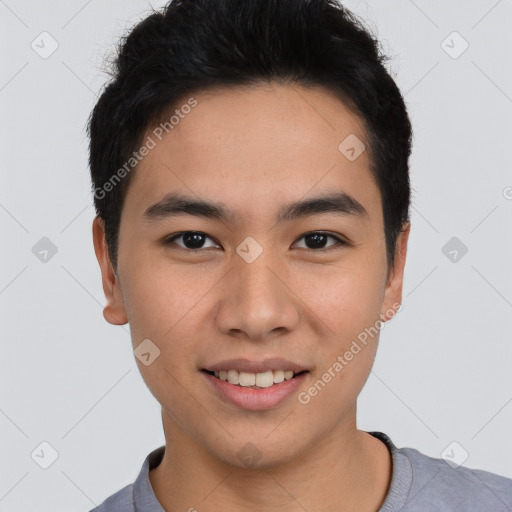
(247, 379)
(279, 376)
(233, 377)
(262, 380)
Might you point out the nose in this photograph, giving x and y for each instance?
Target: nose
(257, 301)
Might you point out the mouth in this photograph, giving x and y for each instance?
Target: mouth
(260, 380)
(255, 385)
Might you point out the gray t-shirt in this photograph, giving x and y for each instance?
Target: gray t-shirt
(418, 484)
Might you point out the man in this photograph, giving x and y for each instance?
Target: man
(250, 172)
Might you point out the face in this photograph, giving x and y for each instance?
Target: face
(230, 277)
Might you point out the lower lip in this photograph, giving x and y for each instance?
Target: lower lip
(255, 399)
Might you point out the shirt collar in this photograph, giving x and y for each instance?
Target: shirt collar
(401, 479)
(401, 476)
(144, 498)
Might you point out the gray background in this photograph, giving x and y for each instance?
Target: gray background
(69, 379)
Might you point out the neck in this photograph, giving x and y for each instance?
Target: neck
(347, 470)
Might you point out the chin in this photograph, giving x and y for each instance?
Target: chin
(258, 452)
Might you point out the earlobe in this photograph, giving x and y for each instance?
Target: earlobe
(114, 311)
(393, 292)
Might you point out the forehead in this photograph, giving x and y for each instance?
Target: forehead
(255, 146)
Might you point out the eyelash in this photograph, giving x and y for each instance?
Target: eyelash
(339, 241)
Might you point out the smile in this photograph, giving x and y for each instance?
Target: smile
(254, 386)
(259, 380)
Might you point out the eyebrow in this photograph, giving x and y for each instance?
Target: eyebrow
(175, 204)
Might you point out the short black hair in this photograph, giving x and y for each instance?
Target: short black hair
(191, 46)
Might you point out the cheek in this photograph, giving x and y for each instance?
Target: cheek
(350, 307)
(161, 299)
(166, 306)
(162, 307)
(347, 299)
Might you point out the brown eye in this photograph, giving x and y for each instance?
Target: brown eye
(191, 240)
(317, 240)
(195, 241)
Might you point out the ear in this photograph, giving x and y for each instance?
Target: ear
(114, 312)
(393, 292)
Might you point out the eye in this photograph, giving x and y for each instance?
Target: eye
(191, 239)
(194, 240)
(317, 240)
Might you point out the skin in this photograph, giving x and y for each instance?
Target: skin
(254, 149)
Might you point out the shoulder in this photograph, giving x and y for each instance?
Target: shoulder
(121, 501)
(436, 485)
(137, 495)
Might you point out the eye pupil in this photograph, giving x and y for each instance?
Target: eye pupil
(315, 238)
(193, 240)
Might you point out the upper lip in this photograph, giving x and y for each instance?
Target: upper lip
(265, 365)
